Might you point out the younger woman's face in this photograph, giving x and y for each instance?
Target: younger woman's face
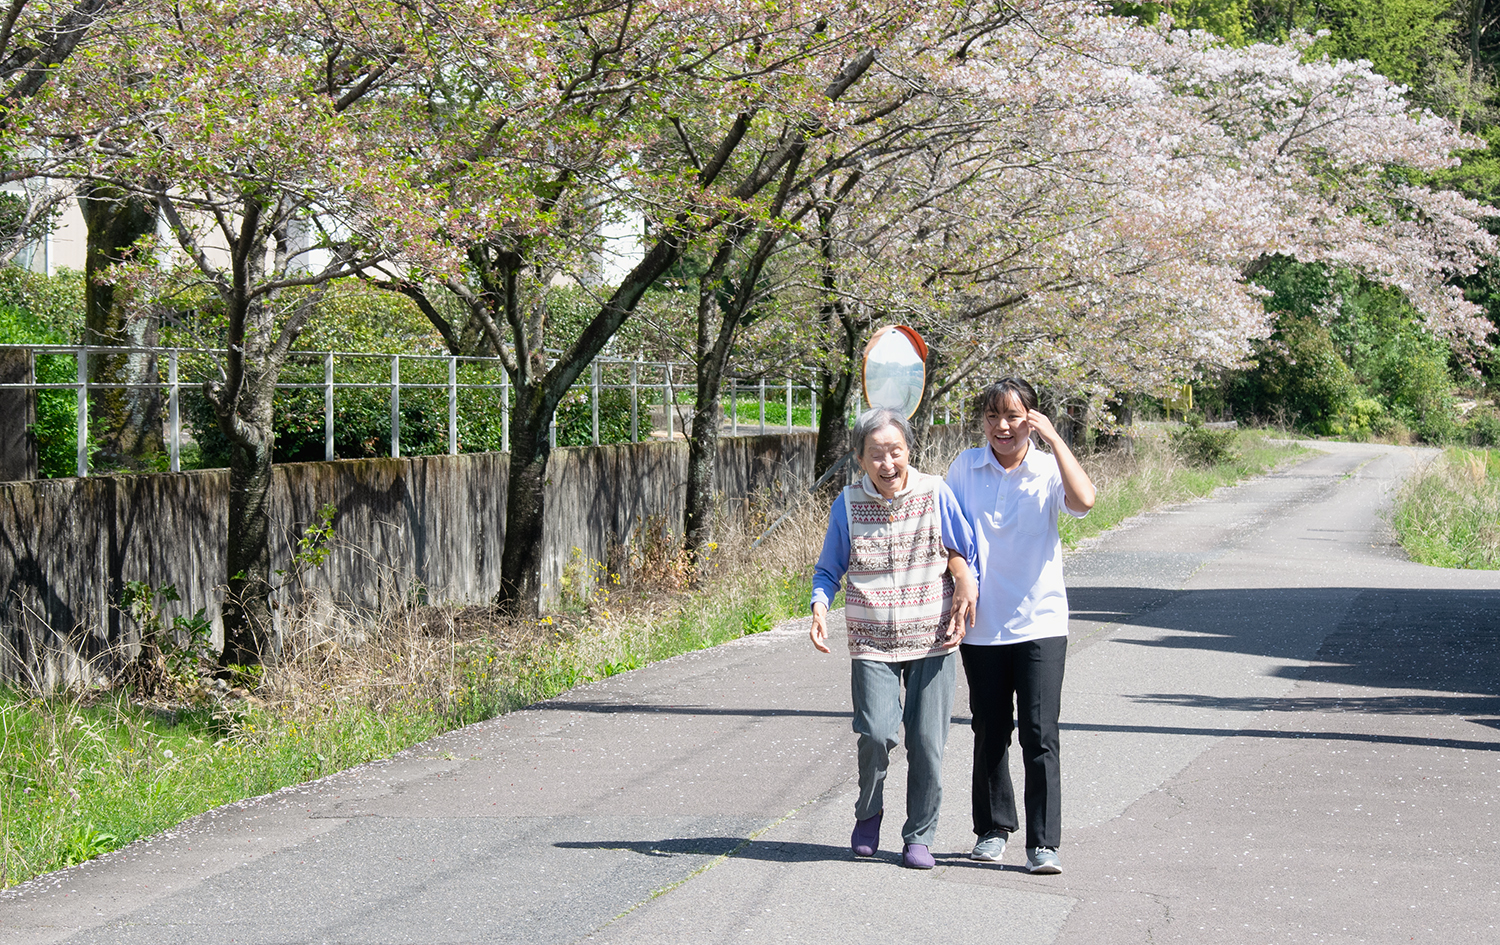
(1007, 430)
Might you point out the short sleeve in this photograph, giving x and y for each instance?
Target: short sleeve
(958, 535)
(1060, 493)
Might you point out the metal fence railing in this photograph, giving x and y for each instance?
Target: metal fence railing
(430, 403)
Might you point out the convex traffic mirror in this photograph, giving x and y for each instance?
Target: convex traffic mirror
(895, 369)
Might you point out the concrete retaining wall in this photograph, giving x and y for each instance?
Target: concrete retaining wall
(427, 527)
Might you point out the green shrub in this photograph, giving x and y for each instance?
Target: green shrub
(362, 416)
(1341, 343)
(1298, 373)
(355, 316)
(575, 418)
(1363, 418)
(1414, 376)
(1482, 427)
(56, 427)
(38, 309)
(1199, 445)
(361, 425)
(481, 427)
(53, 303)
(56, 424)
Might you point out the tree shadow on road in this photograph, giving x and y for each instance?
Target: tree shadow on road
(1382, 738)
(1441, 646)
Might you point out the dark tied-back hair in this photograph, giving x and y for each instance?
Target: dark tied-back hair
(994, 396)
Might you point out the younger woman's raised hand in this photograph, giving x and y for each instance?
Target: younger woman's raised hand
(1038, 421)
(1078, 489)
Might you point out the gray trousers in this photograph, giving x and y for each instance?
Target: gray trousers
(878, 717)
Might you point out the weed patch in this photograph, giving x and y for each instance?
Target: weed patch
(1448, 515)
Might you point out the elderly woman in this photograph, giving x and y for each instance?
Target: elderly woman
(902, 540)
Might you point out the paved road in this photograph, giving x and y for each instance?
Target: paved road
(1275, 729)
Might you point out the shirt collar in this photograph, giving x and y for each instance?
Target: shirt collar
(869, 487)
(986, 457)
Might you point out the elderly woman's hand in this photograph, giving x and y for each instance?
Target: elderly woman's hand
(819, 631)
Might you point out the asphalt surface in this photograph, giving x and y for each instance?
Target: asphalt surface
(1275, 729)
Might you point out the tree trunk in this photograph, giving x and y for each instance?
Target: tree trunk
(249, 631)
(525, 507)
(1072, 424)
(1119, 439)
(125, 421)
(710, 355)
(1055, 406)
(18, 453)
(536, 404)
(243, 403)
(835, 388)
(1476, 25)
(703, 452)
(835, 383)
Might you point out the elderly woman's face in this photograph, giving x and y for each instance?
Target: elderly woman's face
(884, 460)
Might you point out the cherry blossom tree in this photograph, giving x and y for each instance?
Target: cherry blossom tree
(1101, 233)
(690, 115)
(1007, 236)
(240, 125)
(890, 114)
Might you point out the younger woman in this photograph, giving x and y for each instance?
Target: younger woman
(1011, 494)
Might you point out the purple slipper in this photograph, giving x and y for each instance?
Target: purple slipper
(866, 837)
(915, 856)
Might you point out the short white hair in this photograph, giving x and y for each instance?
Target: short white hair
(878, 418)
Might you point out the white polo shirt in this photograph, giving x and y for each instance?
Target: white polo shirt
(1014, 516)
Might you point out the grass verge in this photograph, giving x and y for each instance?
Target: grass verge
(1448, 515)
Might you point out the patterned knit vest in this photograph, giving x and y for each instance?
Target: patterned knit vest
(899, 592)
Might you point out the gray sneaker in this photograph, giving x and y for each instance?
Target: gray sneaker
(1043, 860)
(990, 847)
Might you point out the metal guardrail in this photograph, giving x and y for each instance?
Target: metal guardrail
(650, 383)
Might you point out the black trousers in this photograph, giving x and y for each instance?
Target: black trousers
(1027, 677)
